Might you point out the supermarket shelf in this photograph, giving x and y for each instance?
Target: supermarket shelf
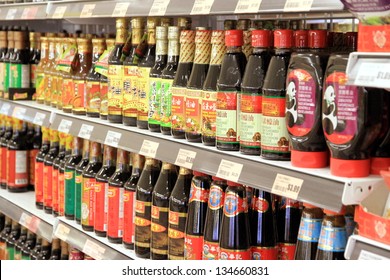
(362, 248)
(21, 207)
(23, 11)
(97, 247)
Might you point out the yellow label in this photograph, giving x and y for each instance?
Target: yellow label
(130, 88)
(115, 89)
(143, 89)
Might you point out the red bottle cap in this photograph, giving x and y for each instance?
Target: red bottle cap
(318, 39)
(309, 159)
(378, 164)
(283, 38)
(261, 38)
(300, 39)
(233, 184)
(331, 212)
(350, 168)
(198, 173)
(234, 38)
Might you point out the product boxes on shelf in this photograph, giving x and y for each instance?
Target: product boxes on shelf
(374, 38)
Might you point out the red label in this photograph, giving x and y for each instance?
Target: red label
(209, 113)
(274, 107)
(178, 108)
(101, 204)
(128, 217)
(93, 96)
(17, 169)
(75, 254)
(32, 155)
(234, 204)
(210, 250)
(61, 193)
(55, 189)
(38, 185)
(227, 100)
(193, 247)
(264, 253)
(47, 186)
(198, 194)
(260, 204)
(225, 254)
(67, 92)
(88, 202)
(4, 163)
(79, 94)
(286, 251)
(193, 111)
(115, 212)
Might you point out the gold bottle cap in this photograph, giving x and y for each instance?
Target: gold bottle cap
(110, 42)
(184, 23)
(50, 34)
(121, 23)
(166, 21)
(161, 32)
(152, 22)
(137, 22)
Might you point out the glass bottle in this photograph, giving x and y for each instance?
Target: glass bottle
(3, 151)
(12, 239)
(20, 62)
(115, 197)
(37, 248)
(20, 243)
(244, 25)
(143, 206)
(160, 209)
(45, 251)
(35, 143)
(39, 71)
(60, 74)
(56, 84)
(79, 179)
(35, 56)
(28, 245)
(48, 71)
(7, 64)
(56, 170)
(3, 53)
(64, 250)
(103, 85)
(3, 237)
(251, 95)
(61, 174)
(179, 84)
(55, 253)
(38, 183)
(228, 96)
(67, 93)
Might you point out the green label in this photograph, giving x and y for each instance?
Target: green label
(19, 76)
(7, 67)
(166, 103)
(2, 76)
(154, 101)
(11, 252)
(26, 257)
(70, 192)
(78, 186)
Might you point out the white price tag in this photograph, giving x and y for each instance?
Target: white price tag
(65, 126)
(29, 13)
(365, 255)
(149, 148)
(39, 118)
(298, 5)
(19, 112)
(287, 186)
(11, 14)
(85, 131)
(202, 7)
(247, 6)
(375, 74)
(94, 250)
(112, 138)
(62, 232)
(30, 222)
(229, 170)
(87, 10)
(159, 8)
(59, 12)
(185, 158)
(5, 109)
(120, 9)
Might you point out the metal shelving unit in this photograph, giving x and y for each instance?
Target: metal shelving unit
(362, 248)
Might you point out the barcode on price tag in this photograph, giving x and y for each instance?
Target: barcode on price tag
(112, 138)
(120, 9)
(62, 232)
(65, 126)
(19, 112)
(202, 7)
(159, 8)
(287, 186)
(30, 222)
(11, 14)
(149, 148)
(365, 255)
(39, 118)
(247, 6)
(229, 170)
(94, 250)
(298, 5)
(87, 10)
(85, 131)
(376, 74)
(5, 108)
(185, 158)
(59, 12)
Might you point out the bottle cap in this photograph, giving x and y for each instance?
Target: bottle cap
(261, 38)
(309, 159)
(300, 39)
(166, 21)
(378, 164)
(243, 24)
(233, 184)
(318, 39)
(331, 212)
(173, 32)
(161, 32)
(234, 38)
(198, 173)
(137, 22)
(283, 38)
(184, 23)
(350, 168)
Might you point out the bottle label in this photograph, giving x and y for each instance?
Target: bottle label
(226, 130)
(47, 186)
(193, 111)
(260, 204)
(286, 251)
(143, 91)
(33, 69)
(340, 109)
(93, 97)
(274, 136)
(67, 93)
(58, 101)
(4, 164)
(19, 76)
(115, 93)
(209, 113)
(70, 192)
(301, 102)
(178, 108)
(226, 254)
(17, 169)
(234, 205)
(154, 100)
(159, 228)
(128, 216)
(88, 202)
(198, 194)
(78, 102)
(130, 88)
(216, 198)
(193, 247)
(210, 250)
(7, 78)
(142, 223)
(264, 253)
(166, 103)
(101, 206)
(39, 85)
(10, 253)
(309, 229)
(32, 154)
(2, 76)
(250, 120)
(61, 193)
(78, 189)
(176, 228)
(55, 189)
(104, 99)
(115, 212)
(332, 239)
(54, 92)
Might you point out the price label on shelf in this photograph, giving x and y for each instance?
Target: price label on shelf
(365, 255)
(39, 118)
(59, 12)
(229, 170)
(120, 9)
(86, 131)
(65, 126)
(374, 74)
(159, 8)
(298, 5)
(29, 13)
(149, 148)
(185, 158)
(94, 250)
(5, 109)
(112, 138)
(87, 10)
(11, 14)
(30, 222)
(247, 6)
(62, 232)
(202, 7)
(19, 112)
(287, 186)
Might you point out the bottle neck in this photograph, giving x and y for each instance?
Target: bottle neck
(217, 53)
(233, 49)
(77, 146)
(52, 50)
(98, 50)
(85, 149)
(259, 50)
(279, 51)
(109, 156)
(95, 152)
(123, 160)
(202, 53)
(187, 52)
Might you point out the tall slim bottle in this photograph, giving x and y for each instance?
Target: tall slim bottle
(3, 151)
(61, 174)
(79, 179)
(20, 243)
(38, 174)
(50, 82)
(3, 236)
(7, 64)
(35, 143)
(28, 245)
(56, 171)
(3, 53)
(68, 87)
(11, 240)
(103, 85)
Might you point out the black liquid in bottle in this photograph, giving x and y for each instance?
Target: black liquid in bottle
(56, 172)
(12, 239)
(29, 245)
(79, 179)
(20, 243)
(3, 53)
(3, 152)
(55, 253)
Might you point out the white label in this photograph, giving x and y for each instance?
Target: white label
(229, 170)
(18, 113)
(112, 138)
(287, 186)
(247, 6)
(149, 148)
(11, 14)
(185, 158)
(365, 255)
(375, 74)
(29, 13)
(93, 249)
(21, 160)
(86, 131)
(298, 5)
(62, 232)
(59, 12)
(65, 126)
(120, 9)
(30, 222)
(159, 8)
(87, 10)
(39, 118)
(5, 109)
(202, 7)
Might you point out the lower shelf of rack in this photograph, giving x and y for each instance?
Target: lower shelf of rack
(362, 248)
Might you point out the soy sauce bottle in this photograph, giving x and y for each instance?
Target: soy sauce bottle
(64, 250)
(7, 61)
(35, 143)
(20, 62)
(12, 239)
(38, 175)
(28, 245)
(160, 210)
(37, 248)
(61, 174)
(143, 208)
(3, 237)
(228, 87)
(55, 253)
(3, 53)
(79, 179)
(45, 251)
(20, 243)
(3, 151)
(56, 171)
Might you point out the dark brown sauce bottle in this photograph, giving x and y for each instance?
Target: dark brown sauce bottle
(35, 56)
(3, 53)
(20, 62)
(79, 179)
(3, 237)
(29, 245)
(56, 170)
(12, 239)
(3, 150)
(55, 253)
(20, 243)
(61, 174)
(7, 64)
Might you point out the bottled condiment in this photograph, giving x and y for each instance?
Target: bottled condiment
(160, 209)
(35, 143)
(64, 250)
(3, 236)
(55, 253)
(20, 62)
(3, 53)
(35, 56)
(61, 174)
(20, 243)
(37, 248)
(101, 190)
(56, 171)
(197, 208)
(115, 197)
(29, 245)
(48, 71)
(209, 94)
(228, 87)
(45, 251)
(274, 140)
(63, 47)
(3, 151)
(177, 217)
(56, 98)
(244, 25)
(7, 61)
(301, 40)
(179, 84)
(104, 85)
(79, 179)
(68, 87)
(167, 76)
(39, 71)
(12, 239)
(38, 183)
(31, 152)
(75, 254)
(89, 185)
(143, 207)
(137, 163)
